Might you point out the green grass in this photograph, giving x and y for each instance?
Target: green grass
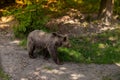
(106, 78)
(103, 48)
(23, 43)
(3, 76)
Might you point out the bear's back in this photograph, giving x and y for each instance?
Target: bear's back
(40, 37)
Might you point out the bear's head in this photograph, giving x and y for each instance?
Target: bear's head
(61, 40)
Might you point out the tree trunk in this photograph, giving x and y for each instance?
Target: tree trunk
(106, 11)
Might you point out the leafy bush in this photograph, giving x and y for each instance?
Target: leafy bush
(102, 48)
(30, 18)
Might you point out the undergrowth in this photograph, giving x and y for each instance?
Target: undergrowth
(30, 18)
(3, 76)
(102, 48)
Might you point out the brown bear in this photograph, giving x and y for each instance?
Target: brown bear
(47, 42)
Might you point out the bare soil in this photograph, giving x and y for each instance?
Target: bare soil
(16, 63)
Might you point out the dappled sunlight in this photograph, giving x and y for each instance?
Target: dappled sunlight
(107, 28)
(79, 1)
(57, 72)
(118, 64)
(41, 33)
(101, 45)
(73, 72)
(15, 42)
(111, 38)
(7, 22)
(54, 71)
(51, 70)
(44, 77)
(3, 26)
(6, 19)
(36, 73)
(75, 76)
(62, 68)
(74, 23)
(23, 79)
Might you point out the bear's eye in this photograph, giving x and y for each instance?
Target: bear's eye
(65, 39)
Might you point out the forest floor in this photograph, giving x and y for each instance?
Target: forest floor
(17, 64)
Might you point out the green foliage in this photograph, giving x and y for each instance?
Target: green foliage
(4, 76)
(30, 18)
(90, 6)
(102, 48)
(82, 5)
(106, 78)
(117, 7)
(23, 43)
(66, 54)
(48, 68)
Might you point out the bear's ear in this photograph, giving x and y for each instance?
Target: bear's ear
(65, 38)
(54, 34)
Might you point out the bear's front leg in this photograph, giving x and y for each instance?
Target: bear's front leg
(53, 53)
(31, 52)
(46, 54)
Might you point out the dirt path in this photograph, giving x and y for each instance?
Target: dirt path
(19, 66)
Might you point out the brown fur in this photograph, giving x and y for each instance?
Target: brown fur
(48, 42)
